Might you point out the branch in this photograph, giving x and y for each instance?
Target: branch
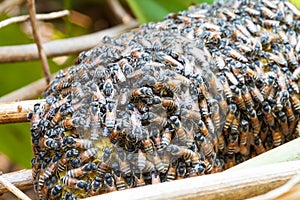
(279, 191)
(48, 16)
(21, 179)
(68, 46)
(30, 91)
(37, 38)
(13, 189)
(119, 11)
(225, 185)
(13, 112)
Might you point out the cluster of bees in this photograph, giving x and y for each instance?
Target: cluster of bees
(195, 94)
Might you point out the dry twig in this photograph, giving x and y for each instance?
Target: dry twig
(61, 47)
(13, 189)
(13, 112)
(21, 179)
(119, 11)
(37, 38)
(48, 16)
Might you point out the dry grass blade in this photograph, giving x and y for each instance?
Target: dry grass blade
(13, 112)
(61, 47)
(37, 38)
(238, 185)
(48, 16)
(21, 179)
(274, 194)
(13, 189)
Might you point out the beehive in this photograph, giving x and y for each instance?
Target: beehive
(195, 94)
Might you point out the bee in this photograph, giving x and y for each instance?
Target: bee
(143, 92)
(171, 173)
(149, 167)
(48, 143)
(70, 123)
(235, 54)
(116, 70)
(166, 138)
(148, 145)
(269, 23)
(230, 161)
(233, 146)
(289, 111)
(239, 98)
(74, 183)
(109, 183)
(81, 171)
(255, 92)
(110, 117)
(155, 178)
(98, 96)
(295, 102)
(266, 109)
(181, 170)
(77, 143)
(170, 105)
(62, 163)
(296, 74)
(88, 154)
(139, 180)
(141, 160)
(283, 121)
(35, 117)
(247, 96)
(190, 114)
(230, 116)
(229, 75)
(244, 132)
(159, 165)
(83, 73)
(277, 136)
(56, 191)
(94, 123)
(203, 107)
(180, 130)
(258, 146)
(108, 88)
(124, 166)
(221, 144)
(219, 60)
(255, 122)
(180, 151)
(120, 182)
(95, 186)
(77, 92)
(150, 117)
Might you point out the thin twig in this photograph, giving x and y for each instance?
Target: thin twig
(48, 16)
(13, 112)
(13, 189)
(119, 11)
(68, 46)
(37, 38)
(21, 179)
(30, 91)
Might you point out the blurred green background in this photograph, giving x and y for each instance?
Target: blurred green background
(88, 16)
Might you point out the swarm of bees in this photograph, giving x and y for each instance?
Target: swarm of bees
(195, 94)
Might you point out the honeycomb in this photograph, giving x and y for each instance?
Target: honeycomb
(197, 93)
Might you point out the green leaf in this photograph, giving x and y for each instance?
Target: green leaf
(156, 10)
